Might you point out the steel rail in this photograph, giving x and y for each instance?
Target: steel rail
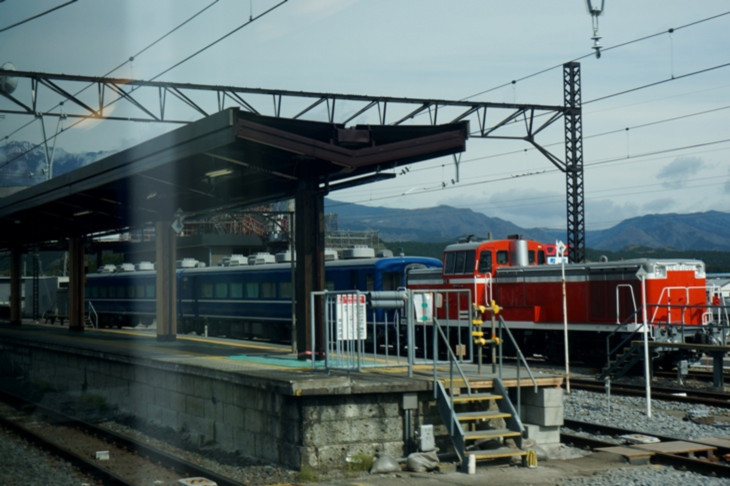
(151, 453)
(86, 466)
(706, 467)
(704, 397)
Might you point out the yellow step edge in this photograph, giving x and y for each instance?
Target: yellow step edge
(476, 398)
(482, 455)
(473, 416)
(489, 434)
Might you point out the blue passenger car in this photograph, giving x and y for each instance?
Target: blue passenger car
(247, 301)
(121, 298)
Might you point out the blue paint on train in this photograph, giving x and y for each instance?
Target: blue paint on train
(249, 301)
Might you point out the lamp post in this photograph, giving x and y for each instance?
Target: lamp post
(641, 273)
(560, 246)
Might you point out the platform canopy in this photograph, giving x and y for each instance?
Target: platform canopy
(229, 159)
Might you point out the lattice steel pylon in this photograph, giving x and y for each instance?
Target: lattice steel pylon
(575, 203)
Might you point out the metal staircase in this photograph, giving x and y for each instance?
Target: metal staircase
(481, 422)
(624, 361)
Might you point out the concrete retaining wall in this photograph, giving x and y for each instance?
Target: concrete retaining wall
(230, 411)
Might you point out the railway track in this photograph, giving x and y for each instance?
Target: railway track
(700, 397)
(714, 464)
(110, 458)
(700, 375)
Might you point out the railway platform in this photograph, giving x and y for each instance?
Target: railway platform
(253, 397)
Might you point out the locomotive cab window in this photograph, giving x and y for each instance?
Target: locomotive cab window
(392, 280)
(460, 262)
(485, 262)
(502, 257)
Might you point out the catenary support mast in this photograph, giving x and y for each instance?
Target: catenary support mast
(574, 162)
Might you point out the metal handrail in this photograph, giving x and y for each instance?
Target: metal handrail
(618, 302)
(453, 360)
(503, 325)
(93, 315)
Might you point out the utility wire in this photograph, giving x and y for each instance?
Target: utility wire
(225, 36)
(130, 59)
(37, 16)
(596, 135)
(551, 170)
(617, 46)
(251, 19)
(657, 83)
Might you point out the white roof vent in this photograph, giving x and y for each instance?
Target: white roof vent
(283, 257)
(359, 252)
(330, 254)
(234, 261)
(187, 263)
(108, 268)
(125, 267)
(144, 266)
(261, 258)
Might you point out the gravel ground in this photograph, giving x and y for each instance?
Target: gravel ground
(21, 464)
(667, 419)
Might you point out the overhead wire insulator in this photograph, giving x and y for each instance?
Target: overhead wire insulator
(595, 10)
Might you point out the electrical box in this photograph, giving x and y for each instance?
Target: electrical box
(426, 439)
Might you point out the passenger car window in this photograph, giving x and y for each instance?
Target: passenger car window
(221, 290)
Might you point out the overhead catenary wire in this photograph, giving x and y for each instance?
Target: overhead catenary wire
(616, 46)
(122, 64)
(534, 74)
(45, 12)
(186, 59)
(504, 178)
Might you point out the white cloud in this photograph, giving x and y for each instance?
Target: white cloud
(675, 174)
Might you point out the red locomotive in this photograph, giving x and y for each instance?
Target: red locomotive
(603, 298)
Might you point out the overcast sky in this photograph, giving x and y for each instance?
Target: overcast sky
(663, 148)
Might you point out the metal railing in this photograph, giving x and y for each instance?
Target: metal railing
(391, 328)
(92, 315)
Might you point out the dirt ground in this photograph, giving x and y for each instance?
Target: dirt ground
(553, 471)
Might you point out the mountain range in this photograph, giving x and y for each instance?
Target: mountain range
(24, 164)
(697, 231)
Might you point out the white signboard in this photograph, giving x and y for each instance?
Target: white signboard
(424, 308)
(351, 317)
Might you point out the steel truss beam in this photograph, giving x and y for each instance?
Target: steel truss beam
(180, 103)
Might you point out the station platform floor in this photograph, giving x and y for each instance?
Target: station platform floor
(274, 363)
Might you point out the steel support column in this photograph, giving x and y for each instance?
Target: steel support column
(574, 162)
(166, 281)
(309, 271)
(16, 256)
(76, 282)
